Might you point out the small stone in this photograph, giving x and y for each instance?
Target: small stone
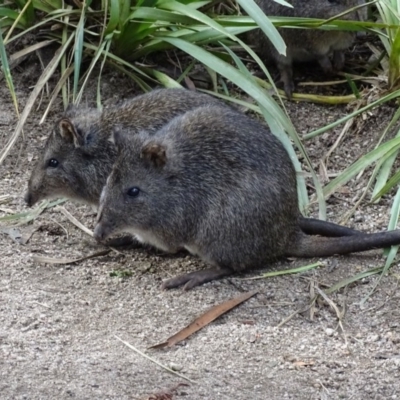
(175, 367)
(329, 331)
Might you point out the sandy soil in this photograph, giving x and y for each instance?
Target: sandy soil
(58, 323)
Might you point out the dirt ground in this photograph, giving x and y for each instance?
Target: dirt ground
(58, 323)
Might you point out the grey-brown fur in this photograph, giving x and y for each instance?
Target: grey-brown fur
(218, 184)
(305, 45)
(80, 142)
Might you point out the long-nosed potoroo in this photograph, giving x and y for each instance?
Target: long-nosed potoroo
(220, 185)
(305, 45)
(78, 155)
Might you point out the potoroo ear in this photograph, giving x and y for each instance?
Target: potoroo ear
(68, 132)
(119, 138)
(155, 154)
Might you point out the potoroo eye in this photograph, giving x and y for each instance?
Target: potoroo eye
(133, 192)
(53, 163)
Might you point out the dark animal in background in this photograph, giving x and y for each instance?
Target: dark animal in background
(304, 45)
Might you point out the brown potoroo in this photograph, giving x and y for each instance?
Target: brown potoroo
(78, 155)
(222, 186)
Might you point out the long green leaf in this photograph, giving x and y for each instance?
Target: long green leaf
(352, 279)
(381, 100)
(301, 186)
(264, 23)
(7, 72)
(381, 185)
(155, 14)
(114, 19)
(125, 9)
(286, 271)
(276, 119)
(392, 182)
(394, 219)
(78, 50)
(390, 146)
(394, 60)
(93, 62)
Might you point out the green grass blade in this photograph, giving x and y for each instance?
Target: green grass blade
(7, 72)
(164, 79)
(125, 9)
(28, 216)
(59, 86)
(28, 12)
(173, 5)
(286, 272)
(271, 120)
(376, 103)
(231, 73)
(394, 60)
(254, 11)
(392, 182)
(276, 118)
(352, 279)
(63, 63)
(105, 55)
(374, 155)
(78, 50)
(95, 57)
(115, 60)
(156, 14)
(394, 219)
(114, 19)
(47, 6)
(25, 18)
(381, 185)
(9, 13)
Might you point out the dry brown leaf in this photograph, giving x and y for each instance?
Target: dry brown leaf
(50, 260)
(205, 319)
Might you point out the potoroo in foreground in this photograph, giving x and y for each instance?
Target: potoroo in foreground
(222, 186)
(78, 155)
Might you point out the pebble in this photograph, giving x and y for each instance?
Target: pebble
(175, 367)
(329, 331)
